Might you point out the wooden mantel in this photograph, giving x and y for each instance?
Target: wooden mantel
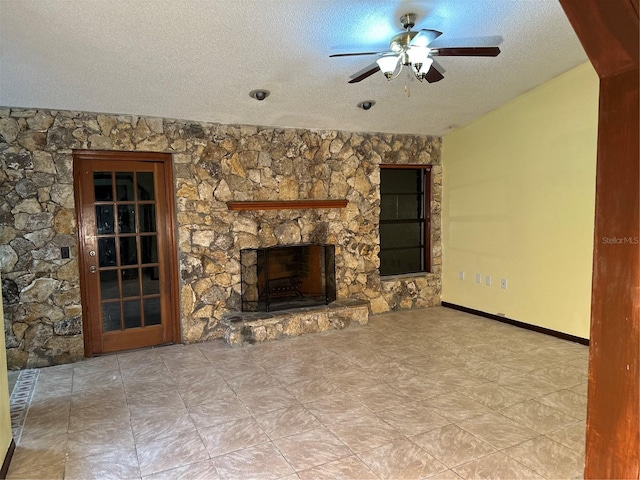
(286, 204)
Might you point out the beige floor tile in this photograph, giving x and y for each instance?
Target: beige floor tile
(119, 464)
(401, 459)
(107, 416)
(98, 365)
(253, 382)
(47, 418)
(139, 385)
(436, 375)
(426, 364)
(144, 368)
(143, 401)
(490, 370)
(338, 408)
(287, 421)
(204, 470)
(203, 391)
(238, 368)
(39, 458)
(452, 446)
(83, 443)
(309, 390)
(348, 468)
(529, 385)
(419, 388)
(365, 433)
(496, 466)
(217, 410)
(523, 362)
(550, 459)
(561, 376)
(267, 400)
(381, 397)
(112, 395)
(231, 436)
(456, 406)
(446, 475)
(413, 418)
(497, 430)
(261, 462)
(46, 392)
(493, 395)
(571, 436)
(138, 360)
(152, 424)
(311, 448)
(536, 416)
(353, 378)
(567, 402)
(580, 389)
(170, 452)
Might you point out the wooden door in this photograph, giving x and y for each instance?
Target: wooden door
(127, 255)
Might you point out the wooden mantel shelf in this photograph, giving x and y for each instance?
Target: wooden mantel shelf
(286, 204)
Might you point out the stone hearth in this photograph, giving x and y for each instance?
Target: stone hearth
(256, 327)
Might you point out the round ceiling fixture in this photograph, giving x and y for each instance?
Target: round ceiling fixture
(259, 94)
(366, 105)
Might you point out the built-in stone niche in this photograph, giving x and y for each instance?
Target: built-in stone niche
(287, 276)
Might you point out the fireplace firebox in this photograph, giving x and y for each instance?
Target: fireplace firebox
(285, 277)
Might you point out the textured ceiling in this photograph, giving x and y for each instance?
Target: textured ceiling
(199, 59)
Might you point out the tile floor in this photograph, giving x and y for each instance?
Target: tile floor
(432, 393)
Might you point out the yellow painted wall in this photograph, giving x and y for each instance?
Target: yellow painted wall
(5, 417)
(518, 203)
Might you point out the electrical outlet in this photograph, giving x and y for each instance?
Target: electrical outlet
(488, 280)
(478, 278)
(461, 275)
(503, 283)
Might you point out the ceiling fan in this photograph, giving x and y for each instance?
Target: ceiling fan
(411, 49)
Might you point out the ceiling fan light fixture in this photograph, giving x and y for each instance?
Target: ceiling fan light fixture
(388, 65)
(418, 56)
(421, 69)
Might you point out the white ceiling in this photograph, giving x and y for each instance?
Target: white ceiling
(199, 59)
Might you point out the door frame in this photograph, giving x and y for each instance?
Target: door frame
(166, 159)
(608, 31)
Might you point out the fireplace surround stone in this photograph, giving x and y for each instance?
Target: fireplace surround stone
(247, 328)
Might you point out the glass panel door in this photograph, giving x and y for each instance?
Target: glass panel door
(125, 224)
(127, 249)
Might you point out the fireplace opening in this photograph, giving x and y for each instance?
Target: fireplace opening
(284, 277)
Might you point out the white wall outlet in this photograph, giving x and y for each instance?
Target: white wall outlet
(461, 275)
(503, 283)
(488, 280)
(478, 278)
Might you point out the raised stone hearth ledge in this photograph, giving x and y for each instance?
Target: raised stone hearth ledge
(255, 327)
(287, 204)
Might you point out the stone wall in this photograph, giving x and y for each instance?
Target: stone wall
(212, 164)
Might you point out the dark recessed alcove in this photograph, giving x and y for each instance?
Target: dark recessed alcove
(284, 277)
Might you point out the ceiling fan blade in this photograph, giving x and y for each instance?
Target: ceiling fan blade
(364, 75)
(354, 54)
(425, 37)
(433, 75)
(465, 52)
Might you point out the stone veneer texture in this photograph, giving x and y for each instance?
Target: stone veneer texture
(213, 164)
